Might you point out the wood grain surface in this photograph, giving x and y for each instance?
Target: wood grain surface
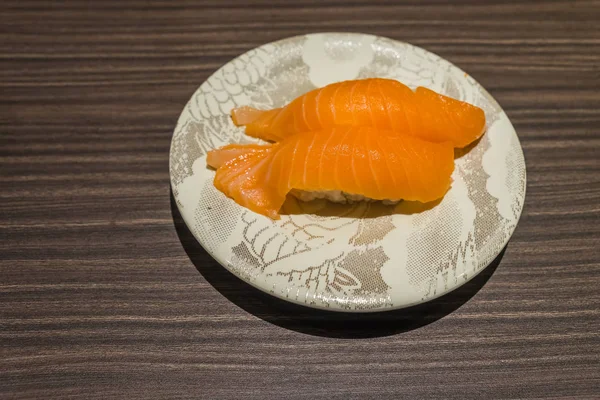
(105, 294)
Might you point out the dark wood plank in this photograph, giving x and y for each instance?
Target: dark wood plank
(104, 293)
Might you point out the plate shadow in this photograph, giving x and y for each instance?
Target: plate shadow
(317, 322)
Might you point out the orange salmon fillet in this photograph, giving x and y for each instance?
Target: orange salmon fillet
(384, 104)
(358, 160)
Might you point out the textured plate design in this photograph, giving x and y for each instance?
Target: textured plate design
(360, 257)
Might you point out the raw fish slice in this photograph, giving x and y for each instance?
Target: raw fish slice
(384, 104)
(362, 161)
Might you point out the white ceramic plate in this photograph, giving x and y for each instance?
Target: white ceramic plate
(361, 257)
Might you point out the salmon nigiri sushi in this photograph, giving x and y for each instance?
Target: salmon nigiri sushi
(358, 161)
(384, 104)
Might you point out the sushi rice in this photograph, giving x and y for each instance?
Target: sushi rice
(336, 196)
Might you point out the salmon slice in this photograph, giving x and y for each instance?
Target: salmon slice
(384, 104)
(360, 160)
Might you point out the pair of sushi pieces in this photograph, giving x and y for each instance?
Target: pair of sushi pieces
(365, 139)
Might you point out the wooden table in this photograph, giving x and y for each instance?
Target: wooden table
(105, 294)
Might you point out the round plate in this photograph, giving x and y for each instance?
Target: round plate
(364, 256)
